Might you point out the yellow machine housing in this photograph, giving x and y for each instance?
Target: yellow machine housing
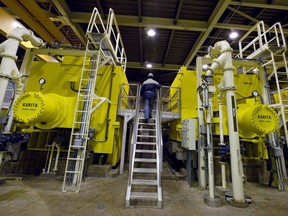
(54, 106)
(254, 119)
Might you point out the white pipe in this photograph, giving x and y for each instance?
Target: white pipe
(1, 156)
(225, 61)
(210, 151)
(57, 158)
(220, 103)
(201, 151)
(8, 49)
(50, 158)
(223, 171)
(223, 164)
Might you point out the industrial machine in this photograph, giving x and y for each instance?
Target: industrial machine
(240, 115)
(228, 117)
(71, 104)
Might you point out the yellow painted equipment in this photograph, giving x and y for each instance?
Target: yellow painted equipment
(254, 119)
(44, 111)
(54, 106)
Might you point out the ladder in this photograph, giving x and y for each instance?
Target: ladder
(144, 183)
(99, 52)
(269, 46)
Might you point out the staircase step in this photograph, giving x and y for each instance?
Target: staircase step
(146, 143)
(144, 195)
(146, 129)
(144, 182)
(145, 151)
(151, 124)
(145, 170)
(150, 136)
(148, 160)
(73, 172)
(76, 159)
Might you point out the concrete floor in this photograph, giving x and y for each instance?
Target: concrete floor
(106, 196)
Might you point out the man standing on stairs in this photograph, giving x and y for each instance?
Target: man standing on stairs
(148, 92)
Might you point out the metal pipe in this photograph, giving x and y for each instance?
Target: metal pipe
(224, 60)
(223, 171)
(223, 164)
(8, 49)
(210, 151)
(51, 157)
(57, 158)
(201, 141)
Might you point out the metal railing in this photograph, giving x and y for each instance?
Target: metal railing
(112, 44)
(170, 99)
(263, 40)
(128, 97)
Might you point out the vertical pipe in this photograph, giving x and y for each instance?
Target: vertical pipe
(57, 158)
(123, 144)
(51, 157)
(1, 157)
(223, 165)
(201, 139)
(223, 171)
(210, 151)
(236, 163)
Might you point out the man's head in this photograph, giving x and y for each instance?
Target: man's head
(150, 75)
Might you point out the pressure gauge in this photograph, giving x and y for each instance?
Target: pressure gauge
(42, 81)
(255, 93)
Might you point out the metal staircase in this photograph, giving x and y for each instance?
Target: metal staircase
(145, 166)
(104, 46)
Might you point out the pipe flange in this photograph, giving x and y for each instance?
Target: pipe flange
(229, 88)
(5, 76)
(14, 57)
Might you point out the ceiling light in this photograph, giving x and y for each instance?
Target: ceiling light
(233, 35)
(149, 65)
(151, 33)
(205, 66)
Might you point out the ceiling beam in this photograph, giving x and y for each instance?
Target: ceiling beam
(99, 7)
(139, 10)
(281, 4)
(243, 14)
(141, 44)
(168, 46)
(164, 23)
(42, 17)
(156, 66)
(173, 31)
(9, 23)
(178, 11)
(212, 21)
(18, 9)
(133, 21)
(63, 8)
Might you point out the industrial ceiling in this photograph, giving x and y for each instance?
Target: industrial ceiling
(184, 28)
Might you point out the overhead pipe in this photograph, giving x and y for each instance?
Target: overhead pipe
(8, 50)
(223, 50)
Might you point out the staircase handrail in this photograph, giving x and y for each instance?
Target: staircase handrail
(134, 134)
(159, 140)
